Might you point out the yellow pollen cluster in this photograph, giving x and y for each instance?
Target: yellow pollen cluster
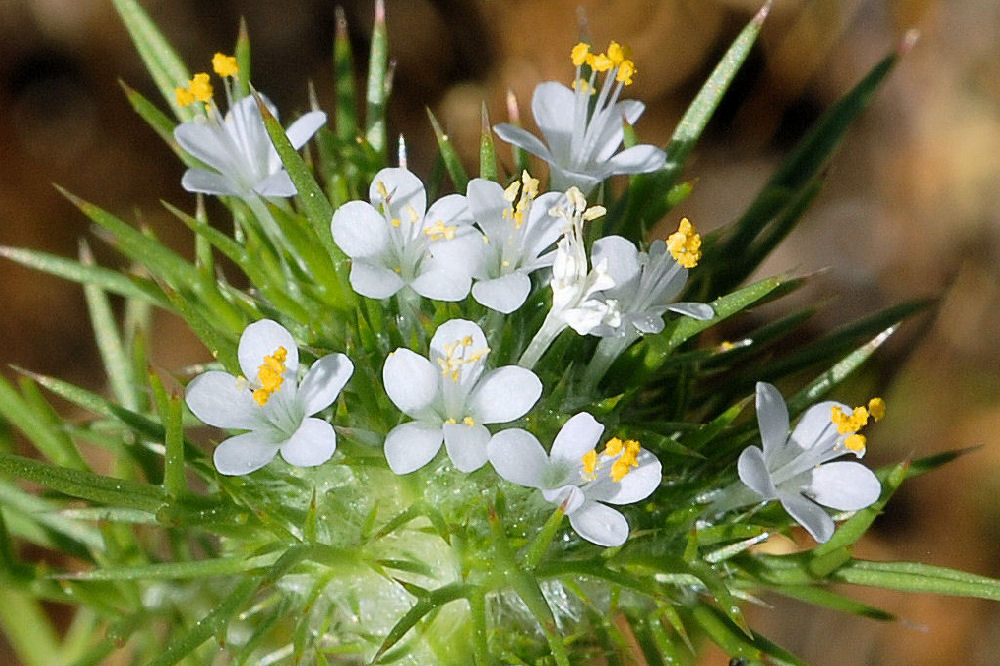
(528, 187)
(616, 58)
(225, 65)
(269, 374)
(876, 407)
(849, 422)
(856, 443)
(685, 244)
(590, 465)
(451, 364)
(198, 90)
(440, 231)
(628, 452)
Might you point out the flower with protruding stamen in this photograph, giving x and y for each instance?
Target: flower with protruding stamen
(575, 475)
(794, 469)
(582, 137)
(270, 403)
(236, 146)
(517, 230)
(450, 397)
(396, 242)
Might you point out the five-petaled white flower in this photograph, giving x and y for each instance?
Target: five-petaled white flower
(517, 236)
(582, 137)
(393, 244)
(645, 286)
(794, 469)
(236, 146)
(576, 475)
(269, 402)
(450, 397)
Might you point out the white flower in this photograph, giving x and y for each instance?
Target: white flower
(517, 237)
(575, 288)
(393, 244)
(582, 137)
(237, 147)
(576, 475)
(794, 469)
(271, 404)
(450, 397)
(645, 287)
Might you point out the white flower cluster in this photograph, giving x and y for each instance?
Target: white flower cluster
(489, 242)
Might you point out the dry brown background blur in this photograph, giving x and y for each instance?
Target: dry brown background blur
(911, 207)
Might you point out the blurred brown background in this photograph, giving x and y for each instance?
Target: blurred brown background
(911, 207)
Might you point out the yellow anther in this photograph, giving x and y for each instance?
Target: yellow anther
(270, 375)
(613, 447)
(600, 62)
(381, 189)
(469, 421)
(583, 86)
(456, 355)
(184, 96)
(593, 213)
(579, 53)
(467, 341)
(395, 222)
(856, 443)
(849, 422)
(200, 87)
(412, 212)
(685, 244)
(440, 231)
(225, 65)
(590, 465)
(510, 192)
(626, 70)
(876, 407)
(529, 185)
(450, 421)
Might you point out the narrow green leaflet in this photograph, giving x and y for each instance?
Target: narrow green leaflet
(919, 578)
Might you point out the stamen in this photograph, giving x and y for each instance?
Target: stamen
(225, 65)
(685, 244)
(613, 447)
(589, 460)
(849, 422)
(200, 87)
(270, 374)
(856, 443)
(184, 96)
(579, 53)
(469, 421)
(456, 356)
(876, 407)
(440, 231)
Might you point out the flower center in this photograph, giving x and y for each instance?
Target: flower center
(685, 244)
(528, 187)
(458, 354)
(440, 231)
(270, 375)
(621, 456)
(615, 60)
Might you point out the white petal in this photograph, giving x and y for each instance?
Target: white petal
(410, 381)
(754, 473)
(518, 457)
(815, 428)
(600, 524)
(457, 329)
(622, 262)
(503, 294)
(263, 338)
(570, 496)
(523, 139)
(312, 444)
(359, 230)
(637, 159)
(809, 515)
(466, 445)
(638, 484)
(410, 446)
(626, 111)
(246, 453)
(844, 485)
(217, 399)
(204, 142)
(451, 209)
(504, 394)
(487, 204)
(209, 182)
(278, 184)
(551, 107)
(374, 281)
(405, 191)
(323, 382)
(442, 285)
(772, 420)
(577, 436)
(302, 129)
(699, 311)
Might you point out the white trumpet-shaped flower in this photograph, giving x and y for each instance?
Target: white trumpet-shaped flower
(450, 397)
(236, 147)
(518, 229)
(576, 475)
(794, 469)
(396, 242)
(581, 136)
(270, 403)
